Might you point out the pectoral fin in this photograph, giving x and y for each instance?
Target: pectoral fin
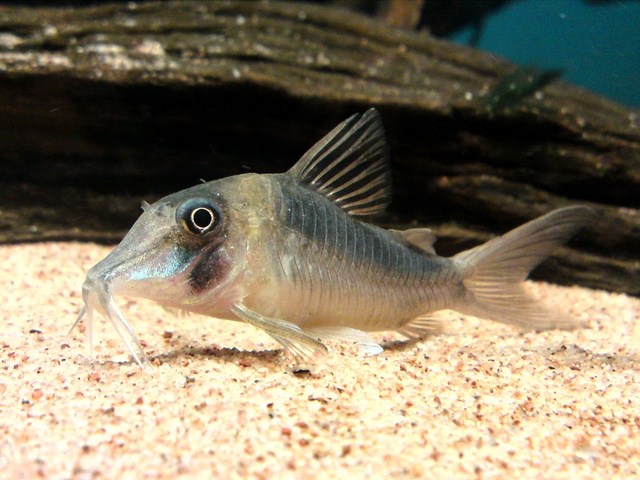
(304, 348)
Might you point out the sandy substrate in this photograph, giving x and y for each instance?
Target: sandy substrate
(483, 400)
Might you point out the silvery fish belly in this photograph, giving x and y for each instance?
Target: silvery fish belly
(290, 254)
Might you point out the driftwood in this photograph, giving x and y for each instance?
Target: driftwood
(101, 107)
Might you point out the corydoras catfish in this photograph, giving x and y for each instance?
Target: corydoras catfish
(289, 253)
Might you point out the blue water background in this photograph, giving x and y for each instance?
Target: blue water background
(596, 46)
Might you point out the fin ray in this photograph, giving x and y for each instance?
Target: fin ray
(350, 166)
(303, 348)
(494, 271)
(365, 343)
(421, 327)
(422, 239)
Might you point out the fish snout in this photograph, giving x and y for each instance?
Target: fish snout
(97, 295)
(96, 291)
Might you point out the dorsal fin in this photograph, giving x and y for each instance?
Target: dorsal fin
(420, 238)
(350, 166)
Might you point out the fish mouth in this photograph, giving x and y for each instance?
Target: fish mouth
(96, 293)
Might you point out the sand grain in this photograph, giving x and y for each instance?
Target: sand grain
(481, 401)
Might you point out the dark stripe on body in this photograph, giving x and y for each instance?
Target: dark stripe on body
(210, 269)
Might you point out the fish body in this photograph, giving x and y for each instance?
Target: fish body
(320, 267)
(290, 254)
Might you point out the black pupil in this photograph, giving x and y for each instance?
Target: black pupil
(202, 218)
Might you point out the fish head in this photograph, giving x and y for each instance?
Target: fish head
(185, 251)
(182, 247)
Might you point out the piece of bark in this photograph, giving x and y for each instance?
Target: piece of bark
(103, 106)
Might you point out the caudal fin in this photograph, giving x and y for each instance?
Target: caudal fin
(494, 271)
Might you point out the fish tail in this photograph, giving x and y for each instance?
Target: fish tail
(493, 272)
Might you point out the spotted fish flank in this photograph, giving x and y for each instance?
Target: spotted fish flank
(290, 254)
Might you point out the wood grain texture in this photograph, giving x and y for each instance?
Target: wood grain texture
(103, 106)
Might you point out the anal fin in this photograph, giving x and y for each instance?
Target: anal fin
(305, 349)
(421, 327)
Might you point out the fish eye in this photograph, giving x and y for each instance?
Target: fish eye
(198, 216)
